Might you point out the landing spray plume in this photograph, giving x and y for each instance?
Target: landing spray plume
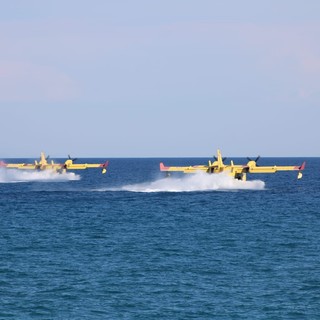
(197, 182)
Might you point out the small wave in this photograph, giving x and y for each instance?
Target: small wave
(193, 182)
(15, 176)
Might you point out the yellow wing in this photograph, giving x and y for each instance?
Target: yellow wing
(69, 165)
(25, 166)
(187, 169)
(272, 169)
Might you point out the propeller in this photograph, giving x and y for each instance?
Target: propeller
(255, 160)
(74, 159)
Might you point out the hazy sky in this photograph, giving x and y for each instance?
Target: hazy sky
(159, 78)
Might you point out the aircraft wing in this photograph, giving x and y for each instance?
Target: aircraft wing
(186, 169)
(30, 166)
(273, 169)
(25, 166)
(83, 166)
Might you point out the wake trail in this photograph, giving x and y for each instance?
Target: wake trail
(16, 176)
(193, 182)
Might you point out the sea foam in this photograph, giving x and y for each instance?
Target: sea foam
(193, 182)
(15, 176)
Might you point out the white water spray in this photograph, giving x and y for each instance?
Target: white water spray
(193, 182)
(15, 176)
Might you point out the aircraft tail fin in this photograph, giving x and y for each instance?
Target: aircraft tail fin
(219, 158)
(43, 159)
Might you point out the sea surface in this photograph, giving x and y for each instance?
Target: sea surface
(133, 244)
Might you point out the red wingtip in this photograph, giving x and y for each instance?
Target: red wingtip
(104, 165)
(302, 166)
(162, 167)
(3, 164)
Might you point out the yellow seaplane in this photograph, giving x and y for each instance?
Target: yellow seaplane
(238, 172)
(43, 164)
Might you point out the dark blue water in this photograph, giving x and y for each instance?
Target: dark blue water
(91, 249)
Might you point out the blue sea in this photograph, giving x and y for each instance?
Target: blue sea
(132, 244)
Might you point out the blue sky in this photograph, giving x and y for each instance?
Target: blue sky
(159, 78)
